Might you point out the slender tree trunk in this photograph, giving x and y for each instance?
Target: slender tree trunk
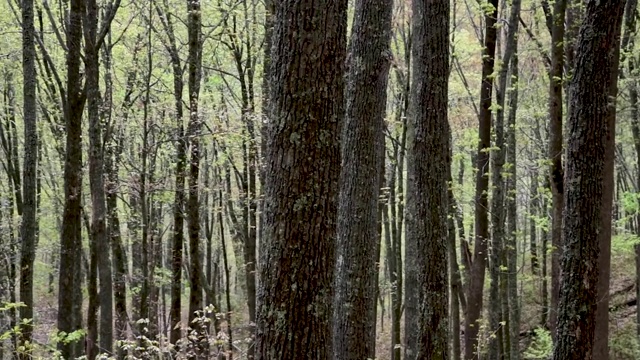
(544, 235)
(29, 221)
(635, 126)
(499, 306)
(225, 260)
(99, 241)
(476, 283)
(534, 207)
(628, 46)
(297, 254)
(142, 202)
(588, 144)
(512, 215)
(354, 319)
(555, 151)
(455, 279)
(112, 153)
(601, 346)
(181, 144)
(194, 65)
(395, 276)
(69, 289)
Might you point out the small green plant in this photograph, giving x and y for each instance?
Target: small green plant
(541, 346)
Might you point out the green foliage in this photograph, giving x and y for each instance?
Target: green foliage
(541, 347)
(624, 243)
(624, 344)
(31, 349)
(11, 305)
(70, 337)
(629, 201)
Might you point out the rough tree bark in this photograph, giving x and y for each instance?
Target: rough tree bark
(427, 177)
(194, 66)
(29, 222)
(601, 345)
(368, 63)
(302, 165)
(585, 177)
(70, 289)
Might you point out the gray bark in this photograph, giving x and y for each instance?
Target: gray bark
(354, 333)
(302, 167)
(29, 221)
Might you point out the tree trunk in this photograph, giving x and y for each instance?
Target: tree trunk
(456, 282)
(587, 149)
(534, 207)
(555, 152)
(427, 169)
(194, 65)
(368, 64)
(628, 45)
(476, 283)
(601, 346)
(99, 242)
(112, 154)
(177, 241)
(544, 234)
(29, 221)
(499, 306)
(70, 289)
(512, 215)
(297, 254)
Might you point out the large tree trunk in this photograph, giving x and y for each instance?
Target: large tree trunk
(29, 222)
(297, 254)
(355, 302)
(479, 264)
(586, 177)
(427, 174)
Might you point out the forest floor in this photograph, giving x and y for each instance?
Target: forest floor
(623, 311)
